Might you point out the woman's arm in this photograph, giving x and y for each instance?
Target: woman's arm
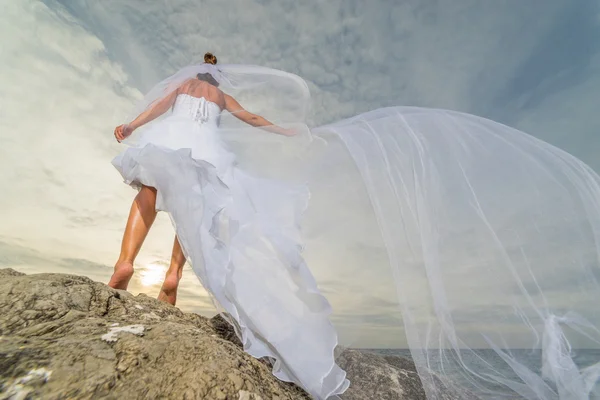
(156, 110)
(239, 112)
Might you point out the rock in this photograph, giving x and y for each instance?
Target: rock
(374, 376)
(65, 336)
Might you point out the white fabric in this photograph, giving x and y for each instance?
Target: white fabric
(281, 97)
(493, 241)
(240, 234)
(473, 244)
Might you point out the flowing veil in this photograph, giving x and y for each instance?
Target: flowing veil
(470, 246)
(491, 239)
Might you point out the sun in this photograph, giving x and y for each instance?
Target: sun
(152, 274)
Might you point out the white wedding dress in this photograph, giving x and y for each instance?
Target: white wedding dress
(470, 243)
(240, 234)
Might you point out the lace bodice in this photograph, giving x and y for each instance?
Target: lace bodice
(197, 108)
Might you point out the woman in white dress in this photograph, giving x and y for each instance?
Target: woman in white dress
(486, 237)
(238, 232)
(143, 209)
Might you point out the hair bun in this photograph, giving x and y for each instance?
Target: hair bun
(210, 58)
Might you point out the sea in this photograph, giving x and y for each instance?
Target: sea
(532, 359)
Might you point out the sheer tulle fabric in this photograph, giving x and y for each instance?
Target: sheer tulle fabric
(471, 244)
(492, 240)
(281, 97)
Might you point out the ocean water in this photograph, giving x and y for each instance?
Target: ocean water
(486, 359)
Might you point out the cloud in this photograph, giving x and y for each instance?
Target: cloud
(74, 68)
(54, 161)
(60, 98)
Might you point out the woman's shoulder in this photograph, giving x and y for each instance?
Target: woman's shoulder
(187, 86)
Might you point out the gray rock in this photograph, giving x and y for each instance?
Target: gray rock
(65, 336)
(374, 376)
(52, 347)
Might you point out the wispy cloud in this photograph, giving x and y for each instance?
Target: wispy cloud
(72, 69)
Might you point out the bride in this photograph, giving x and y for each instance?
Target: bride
(202, 91)
(222, 216)
(484, 238)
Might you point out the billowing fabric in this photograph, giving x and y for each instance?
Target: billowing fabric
(492, 239)
(467, 245)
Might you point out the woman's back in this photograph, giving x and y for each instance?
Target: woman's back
(201, 89)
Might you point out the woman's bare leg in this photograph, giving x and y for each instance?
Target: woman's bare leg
(141, 217)
(168, 291)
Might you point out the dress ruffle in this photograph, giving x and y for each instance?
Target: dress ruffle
(241, 235)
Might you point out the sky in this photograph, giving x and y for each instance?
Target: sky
(71, 71)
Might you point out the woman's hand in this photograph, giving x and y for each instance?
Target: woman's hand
(122, 132)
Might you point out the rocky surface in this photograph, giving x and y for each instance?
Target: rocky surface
(65, 336)
(374, 376)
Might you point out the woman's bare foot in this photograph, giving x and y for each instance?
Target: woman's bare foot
(123, 273)
(168, 291)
